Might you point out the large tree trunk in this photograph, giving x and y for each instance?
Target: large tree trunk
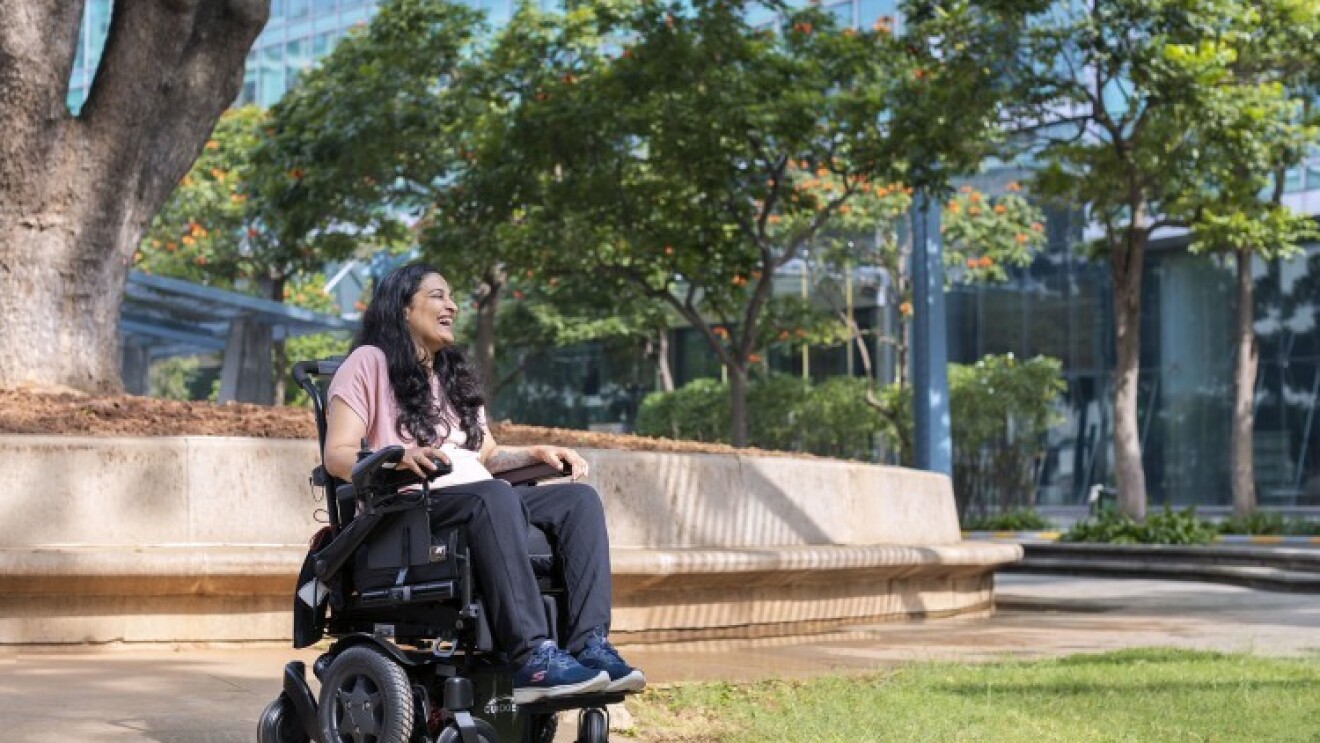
(738, 405)
(76, 194)
(1243, 474)
(488, 304)
(1126, 263)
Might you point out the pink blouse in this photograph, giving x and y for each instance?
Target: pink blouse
(363, 383)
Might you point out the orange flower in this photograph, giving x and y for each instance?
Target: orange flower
(296, 174)
(218, 174)
(973, 263)
(754, 358)
(973, 210)
(1000, 208)
(845, 209)
(802, 27)
(1020, 237)
(171, 246)
(1013, 186)
(773, 219)
(964, 189)
(720, 332)
(905, 309)
(200, 260)
(669, 250)
(187, 181)
(211, 144)
(987, 262)
(137, 257)
(882, 25)
(187, 240)
(1037, 227)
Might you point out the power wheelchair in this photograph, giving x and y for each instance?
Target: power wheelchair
(412, 658)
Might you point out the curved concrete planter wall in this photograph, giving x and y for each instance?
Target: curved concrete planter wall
(199, 539)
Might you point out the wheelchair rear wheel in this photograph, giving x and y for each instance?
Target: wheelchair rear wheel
(365, 698)
(279, 723)
(593, 726)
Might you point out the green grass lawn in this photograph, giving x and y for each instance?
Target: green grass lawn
(1133, 695)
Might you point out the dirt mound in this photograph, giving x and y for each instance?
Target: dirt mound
(28, 411)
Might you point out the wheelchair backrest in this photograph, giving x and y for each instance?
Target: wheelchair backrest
(313, 377)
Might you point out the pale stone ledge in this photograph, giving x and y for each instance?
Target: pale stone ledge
(199, 539)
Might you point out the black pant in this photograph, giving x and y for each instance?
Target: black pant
(497, 516)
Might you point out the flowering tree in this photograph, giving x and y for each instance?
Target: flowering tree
(683, 161)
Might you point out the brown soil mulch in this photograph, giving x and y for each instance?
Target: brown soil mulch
(72, 413)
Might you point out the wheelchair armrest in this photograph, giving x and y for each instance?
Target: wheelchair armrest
(530, 474)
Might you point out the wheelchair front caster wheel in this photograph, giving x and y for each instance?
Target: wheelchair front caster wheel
(279, 723)
(593, 726)
(365, 698)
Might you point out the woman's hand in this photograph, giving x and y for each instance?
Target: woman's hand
(419, 460)
(558, 456)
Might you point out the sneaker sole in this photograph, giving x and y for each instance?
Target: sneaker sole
(529, 694)
(634, 681)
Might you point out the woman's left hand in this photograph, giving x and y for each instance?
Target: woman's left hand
(558, 456)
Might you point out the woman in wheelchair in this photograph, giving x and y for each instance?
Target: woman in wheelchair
(406, 383)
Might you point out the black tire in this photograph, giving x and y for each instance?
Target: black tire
(485, 733)
(365, 698)
(279, 723)
(593, 727)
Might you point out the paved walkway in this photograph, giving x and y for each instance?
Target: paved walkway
(203, 695)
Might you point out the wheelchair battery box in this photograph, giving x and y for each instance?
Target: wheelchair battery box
(404, 552)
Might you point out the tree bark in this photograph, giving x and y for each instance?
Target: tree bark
(662, 361)
(1126, 259)
(488, 304)
(738, 405)
(76, 194)
(1241, 455)
(280, 359)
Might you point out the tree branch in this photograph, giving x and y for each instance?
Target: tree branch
(169, 70)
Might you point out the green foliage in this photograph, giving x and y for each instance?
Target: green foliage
(204, 232)
(697, 411)
(1268, 523)
(785, 414)
(177, 378)
(1018, 519)
(355, 148)
(1164, 527)
(999, 410)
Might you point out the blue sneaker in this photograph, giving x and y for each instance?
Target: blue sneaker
(599, 654)
(551, 672)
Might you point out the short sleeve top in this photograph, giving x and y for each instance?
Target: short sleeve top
(363, 383)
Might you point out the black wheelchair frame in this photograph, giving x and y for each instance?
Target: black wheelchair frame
(412, 658)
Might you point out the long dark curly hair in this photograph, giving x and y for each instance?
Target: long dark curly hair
(384, 326)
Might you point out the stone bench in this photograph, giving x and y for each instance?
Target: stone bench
(200, 539)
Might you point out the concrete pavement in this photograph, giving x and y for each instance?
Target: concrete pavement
(213, 694)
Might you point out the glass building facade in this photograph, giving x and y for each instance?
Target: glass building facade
(1059, 306)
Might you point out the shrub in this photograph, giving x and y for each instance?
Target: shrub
(783, 412)
(1018, 519)
(1268, 523)
(1163, 527)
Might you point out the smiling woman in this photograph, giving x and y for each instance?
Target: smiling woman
(406, 383)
